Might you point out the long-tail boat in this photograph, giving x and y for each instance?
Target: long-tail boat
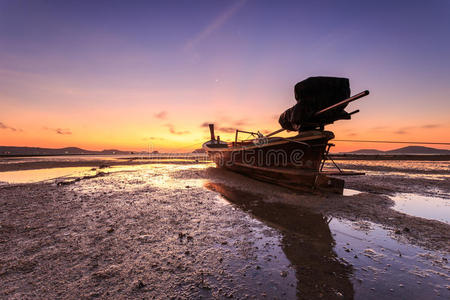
(297, 161)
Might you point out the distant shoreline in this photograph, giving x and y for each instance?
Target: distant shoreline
(429, 157)
(337, 156)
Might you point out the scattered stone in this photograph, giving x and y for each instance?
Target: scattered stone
(140, 284)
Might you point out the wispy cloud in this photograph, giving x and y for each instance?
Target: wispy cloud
(430, 126)
(379, 127)
(6, 127)
(217, 23)
(241, 122)
(162, 115)
(219, 128)
(401, 131)
(152, 138)
(173, 131)
(205, 124)
(62, 131)
(227, 129)
(406, 130)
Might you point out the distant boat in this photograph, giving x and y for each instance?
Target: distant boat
(295, 162)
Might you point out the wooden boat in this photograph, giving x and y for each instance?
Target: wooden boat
(295, 162)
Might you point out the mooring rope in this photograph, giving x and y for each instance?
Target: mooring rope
(393, 142)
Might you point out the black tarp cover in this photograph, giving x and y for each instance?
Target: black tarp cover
(314, 94)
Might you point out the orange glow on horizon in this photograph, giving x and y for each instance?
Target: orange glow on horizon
(136, 120)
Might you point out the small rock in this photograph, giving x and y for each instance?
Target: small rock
(398, 232)
(110, 230)
(283, 273)
(406, 229)
(140, 284)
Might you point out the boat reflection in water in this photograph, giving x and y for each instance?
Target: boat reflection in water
(306, 241)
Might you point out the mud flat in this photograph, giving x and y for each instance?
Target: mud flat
(192, 231)
(49, 162)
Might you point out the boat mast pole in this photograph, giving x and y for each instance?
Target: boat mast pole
(348, 100)
(275, 132)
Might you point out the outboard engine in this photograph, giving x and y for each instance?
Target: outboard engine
(312, 95)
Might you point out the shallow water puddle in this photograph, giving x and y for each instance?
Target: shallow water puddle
(350, 192)
(30, 176)
(429, 207)
(386, 268)
(305, 241)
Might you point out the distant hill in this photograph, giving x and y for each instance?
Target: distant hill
(367, 151)
(10, 150)
(404, 150)
(418, 150)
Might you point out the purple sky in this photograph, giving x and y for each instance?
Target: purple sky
(61, 57)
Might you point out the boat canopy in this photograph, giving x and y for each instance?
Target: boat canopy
(314, 94)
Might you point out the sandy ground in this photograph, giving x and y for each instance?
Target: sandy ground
(164, 231)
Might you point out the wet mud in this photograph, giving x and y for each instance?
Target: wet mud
(306, 241)
(193, 231)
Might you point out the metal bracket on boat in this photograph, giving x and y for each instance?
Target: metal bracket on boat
(326, 156)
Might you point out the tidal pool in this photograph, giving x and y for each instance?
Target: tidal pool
(429, 207)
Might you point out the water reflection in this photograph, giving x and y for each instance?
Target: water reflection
(29, 176)
(306, 241)
(429, 207)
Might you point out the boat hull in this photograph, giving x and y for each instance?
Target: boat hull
(291, 162)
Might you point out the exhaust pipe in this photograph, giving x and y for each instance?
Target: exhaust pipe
(211, 130)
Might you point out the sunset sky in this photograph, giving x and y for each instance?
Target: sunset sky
(129, 74)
